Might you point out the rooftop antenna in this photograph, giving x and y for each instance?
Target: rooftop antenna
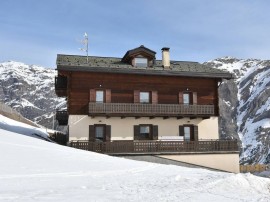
(85, 43)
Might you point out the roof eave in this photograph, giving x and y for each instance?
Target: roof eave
(145, 72)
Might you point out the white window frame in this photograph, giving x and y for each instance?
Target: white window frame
(144, 97)
(100, 96)
(186, 98)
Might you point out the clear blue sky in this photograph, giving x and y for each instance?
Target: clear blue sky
(34, 31)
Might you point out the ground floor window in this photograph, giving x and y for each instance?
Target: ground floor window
(145, 132)
(99, 133)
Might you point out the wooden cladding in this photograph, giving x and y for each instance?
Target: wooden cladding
(126, 88)
(129, 109)
(92, 97)
(180, 98)
(108, 95)
(154, 97)
(136, 96)
(154, 147)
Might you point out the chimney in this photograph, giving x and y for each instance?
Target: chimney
(166, 57)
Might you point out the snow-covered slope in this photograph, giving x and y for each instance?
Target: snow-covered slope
(247, 101)
(30, 90)
(22, 128)
(34, 170)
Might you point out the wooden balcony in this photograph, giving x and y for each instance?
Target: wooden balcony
(157, 147)
(62, 117)
(60, 86)
(150, 110)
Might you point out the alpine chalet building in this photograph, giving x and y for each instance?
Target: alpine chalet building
(137, 105)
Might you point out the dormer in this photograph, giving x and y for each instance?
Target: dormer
(140, 57)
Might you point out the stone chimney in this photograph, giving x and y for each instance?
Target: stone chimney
(166, 57)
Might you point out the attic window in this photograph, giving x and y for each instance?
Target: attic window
(141, 62)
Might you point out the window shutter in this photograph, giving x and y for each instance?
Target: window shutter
(155, 132)
(108, 133)
(136, 96)
(196, 134)
(154, 97)
(92, 96)
(108, 96)
(92, 136)
(194, 98)
(180, 97)
(136, 132)
(181, 131)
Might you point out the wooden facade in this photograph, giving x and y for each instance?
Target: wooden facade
(124, 88)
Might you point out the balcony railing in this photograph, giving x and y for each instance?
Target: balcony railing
(60, 85)
(157, 147)
(62, 117)
(134, 109)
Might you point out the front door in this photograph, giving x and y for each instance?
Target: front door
(188, 133)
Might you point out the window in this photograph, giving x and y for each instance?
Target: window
(144, 97)
(145, 132)
(187, 133)
(99, 133)
(186, 98)
(99, 96)
(141, 62)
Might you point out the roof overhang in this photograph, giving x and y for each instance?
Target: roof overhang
(144, 72)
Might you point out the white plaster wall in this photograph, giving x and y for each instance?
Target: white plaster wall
(224, 162)
(122, 129)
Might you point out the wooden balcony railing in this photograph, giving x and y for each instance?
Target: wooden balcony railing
(62, 117)
(60, 85)
(157, 147)
(134, 109)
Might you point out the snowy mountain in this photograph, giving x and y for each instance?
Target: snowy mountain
(35, 170)
(29, 89)
(245, 106)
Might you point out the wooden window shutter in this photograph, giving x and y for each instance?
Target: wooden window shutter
(108, 96)
(196, 133)
(108, 133)
(181, 131)
(92, 96)
(136, 96)
(136, 132)
(195, 98)
(92, 135)
(154, 97)
(180, 97)
(155, 132)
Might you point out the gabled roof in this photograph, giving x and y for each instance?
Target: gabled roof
(139, 50)
(116, 65)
